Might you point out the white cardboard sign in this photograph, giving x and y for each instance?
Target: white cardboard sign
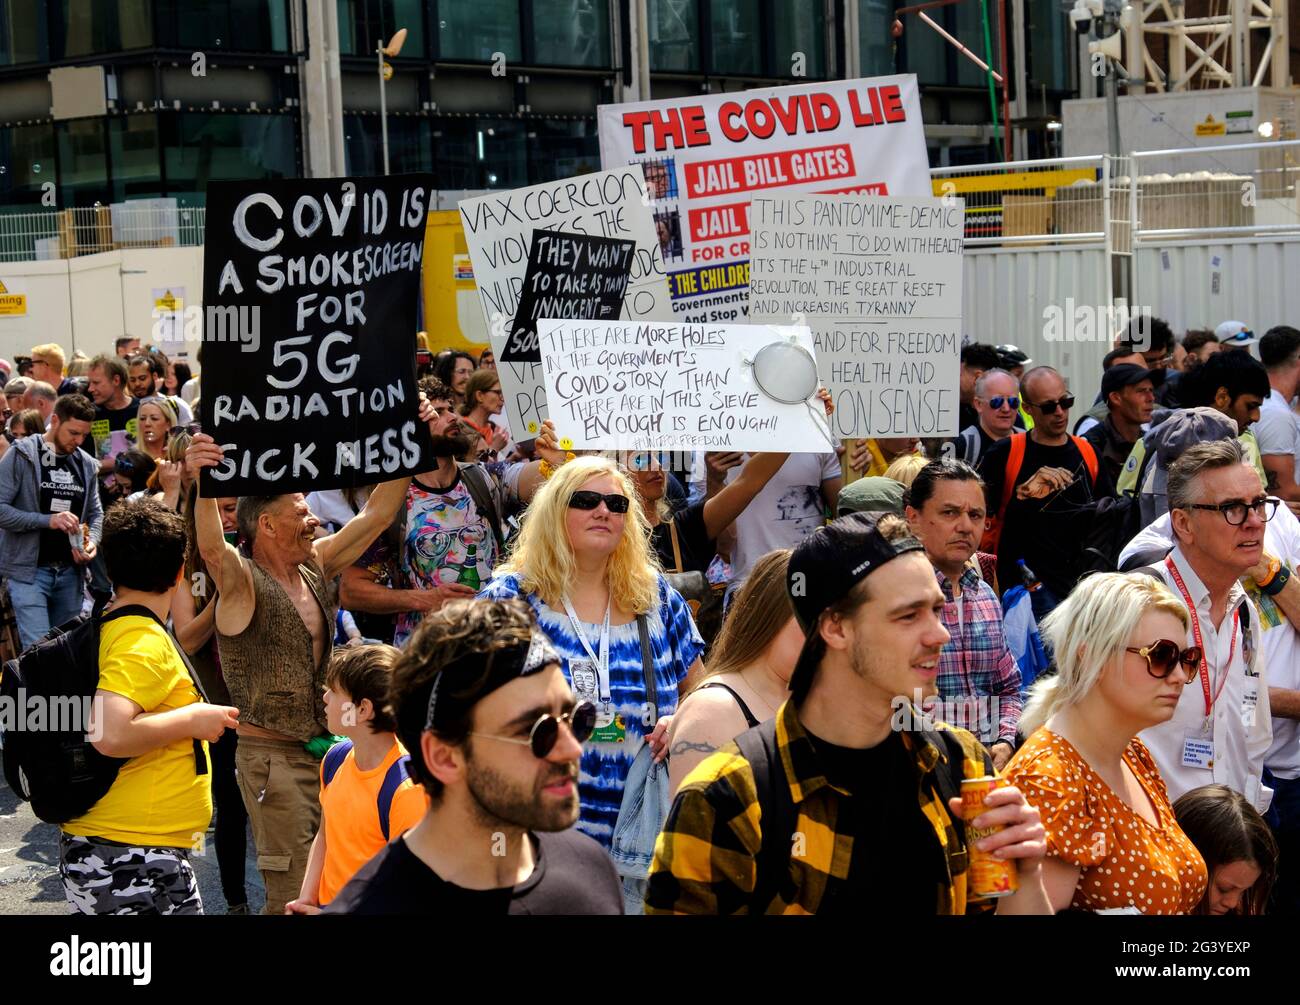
(879, 281)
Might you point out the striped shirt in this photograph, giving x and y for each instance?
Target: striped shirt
(979, 681)
(675, 644)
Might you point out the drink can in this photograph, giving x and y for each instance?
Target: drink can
(987, 876)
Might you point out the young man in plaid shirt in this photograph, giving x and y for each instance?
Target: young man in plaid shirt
(831, 807)
(979, 682)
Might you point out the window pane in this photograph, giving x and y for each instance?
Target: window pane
(483, 153)
(571, 32)
(199, 147)
(225, 25)
(1049, 48)
(26, 163)
(799, 27)
(559, 149)
(875, 43)
(408, 144)
(133, 150)
(737, 36)
(365, 25)
(78, 28)
(83, 166)
(22, 31)
(475, 30)
(970, 30)
(923, 52)
(672, 35)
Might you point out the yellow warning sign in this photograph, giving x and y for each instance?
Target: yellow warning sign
(12, 305)
(1211, 128)
(169, 302)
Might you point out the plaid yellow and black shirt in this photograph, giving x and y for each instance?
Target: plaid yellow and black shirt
(705, 858)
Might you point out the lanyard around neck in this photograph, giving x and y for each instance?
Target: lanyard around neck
(601, 661)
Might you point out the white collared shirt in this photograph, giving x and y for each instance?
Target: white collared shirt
(1241, 725)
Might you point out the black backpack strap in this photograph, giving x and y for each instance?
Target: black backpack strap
(777, 813)
(140, 611)
(648, 667)
(476, 482)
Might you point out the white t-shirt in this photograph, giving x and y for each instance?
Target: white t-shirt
(1277, 431)
(788, 509)
(1280, 645)
(1231, 751)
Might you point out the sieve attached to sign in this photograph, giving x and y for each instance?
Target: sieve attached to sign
(787, 372)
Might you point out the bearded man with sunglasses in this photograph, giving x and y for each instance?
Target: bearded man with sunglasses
(1222, 726)
(495, 735)
(1038, 486)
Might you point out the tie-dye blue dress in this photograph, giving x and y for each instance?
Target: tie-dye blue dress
(675, 643)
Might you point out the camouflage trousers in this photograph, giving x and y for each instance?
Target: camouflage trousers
(105, 877)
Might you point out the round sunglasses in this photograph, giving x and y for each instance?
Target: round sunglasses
(1163, 655)
(586, 499)
(546, 730)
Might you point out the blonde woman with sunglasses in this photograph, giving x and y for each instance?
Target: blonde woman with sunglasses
(1122, 663)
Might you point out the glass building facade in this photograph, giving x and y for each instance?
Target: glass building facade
(484, 94)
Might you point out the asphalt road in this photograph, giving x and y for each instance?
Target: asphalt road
(29, 865)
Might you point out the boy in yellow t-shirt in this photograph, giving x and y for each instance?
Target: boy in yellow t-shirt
(367, 797)
(129, 853)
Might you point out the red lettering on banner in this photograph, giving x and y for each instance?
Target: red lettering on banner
(868, 188)
(672, 128)
(712, 222)
(886, 106)
(772, 170)
(727, 115)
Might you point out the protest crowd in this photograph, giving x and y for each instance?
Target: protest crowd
(537, 680)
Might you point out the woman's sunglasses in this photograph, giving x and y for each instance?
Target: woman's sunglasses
(583, 499)
(546, 730)
(1164, 655)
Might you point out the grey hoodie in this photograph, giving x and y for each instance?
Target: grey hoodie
(20, 518)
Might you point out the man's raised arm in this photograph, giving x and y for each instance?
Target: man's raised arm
(225, 564)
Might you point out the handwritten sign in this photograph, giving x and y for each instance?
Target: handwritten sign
(310, 291)
(879, 282)
(569, 276)
(499, 231)
(653, 385)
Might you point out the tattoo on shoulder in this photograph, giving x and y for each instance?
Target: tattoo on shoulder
(685, 746)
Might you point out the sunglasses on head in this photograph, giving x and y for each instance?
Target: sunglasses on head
(645, 461)
(1163, 655)
(546, 730)
(585, 499)
(1050, 407)
(1012, 402)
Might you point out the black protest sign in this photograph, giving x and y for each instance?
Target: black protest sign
(310, 294)
(570, 277)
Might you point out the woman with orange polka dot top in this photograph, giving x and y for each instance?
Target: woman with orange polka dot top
(1112, 839)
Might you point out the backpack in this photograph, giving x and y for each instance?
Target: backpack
(1015, 461)
(1115, 522)
(59, 771)
(777, 811)
(398, 772)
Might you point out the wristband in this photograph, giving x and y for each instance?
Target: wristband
(1273, 567)
(1277, 583)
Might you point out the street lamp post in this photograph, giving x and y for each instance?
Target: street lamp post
(390, 50)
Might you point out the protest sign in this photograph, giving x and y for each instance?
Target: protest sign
(499, 232)
(569, 276)
(663, 386)
(879, 281)
(705, 156)
(310, 291)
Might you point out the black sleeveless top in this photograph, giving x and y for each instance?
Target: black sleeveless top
(750, 721)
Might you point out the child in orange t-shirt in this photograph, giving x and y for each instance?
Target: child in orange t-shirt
(366, 796)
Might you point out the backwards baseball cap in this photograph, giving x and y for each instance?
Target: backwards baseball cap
(1235, 333)
(824, 568)
(1123, 375)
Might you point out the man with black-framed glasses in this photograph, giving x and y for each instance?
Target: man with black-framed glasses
(1039, 487)
(1223, 725)
(495, 735)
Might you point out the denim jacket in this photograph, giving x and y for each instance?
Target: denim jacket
(20, 518)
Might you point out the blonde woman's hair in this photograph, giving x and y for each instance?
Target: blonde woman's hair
(163, 405)
(1088, 633)
(905, 469)
(543, 557)
(760, 611)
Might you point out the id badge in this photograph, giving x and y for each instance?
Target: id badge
(60, 505)
(609, 726)
(1198, 752)
(1249, 701)
(586, 684)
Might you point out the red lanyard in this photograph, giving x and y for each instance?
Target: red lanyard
(1196, 634)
